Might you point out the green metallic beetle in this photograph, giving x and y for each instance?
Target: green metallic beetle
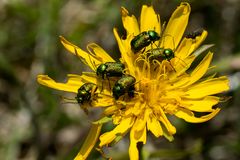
(124, 85)
(110, 69)
(85, 92)
(143, 40)
(160, 54)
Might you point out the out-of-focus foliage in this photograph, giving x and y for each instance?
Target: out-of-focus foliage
(34, 121)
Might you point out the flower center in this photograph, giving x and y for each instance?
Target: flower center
(152, 81)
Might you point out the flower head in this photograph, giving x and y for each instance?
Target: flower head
(153, 84)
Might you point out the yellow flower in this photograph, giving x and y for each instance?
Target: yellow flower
(163, 87)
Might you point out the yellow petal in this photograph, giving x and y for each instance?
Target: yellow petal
(126, 53)
(182, 65)
(108, 137)
(201, 69)
(167, 135)
(188, 116)
(103, 120)
(154, 126)
(89, 77)
(119, 41)
(103, 101)
(136, 109)
(201, 105)
(72, 85)
(140, 122)
(99, 53)
(208, 87)
(89, 59)
(133, 151)
(184, 48)
(135, 137)
(110, 110)
(163, 118)
(124, 125)
(188, 45)
(79, 157)
(129, 23)
(178, 82)
(197, 42)
(89, 142)
(149, 20)
(176, 26)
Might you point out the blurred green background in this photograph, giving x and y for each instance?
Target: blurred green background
(34, 121)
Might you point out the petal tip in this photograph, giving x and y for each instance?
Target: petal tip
(62, 38)
(146, 6)
(186, 7)
(124, 12)
(42, 77)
